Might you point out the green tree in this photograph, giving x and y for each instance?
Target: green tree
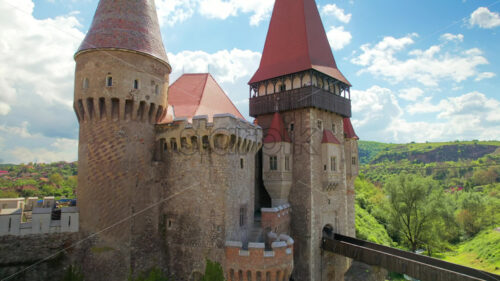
(56, 179)
(413, 207)
(213, 272)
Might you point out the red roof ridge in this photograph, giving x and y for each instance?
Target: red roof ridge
(277, 131)
(329, 137)
(194, 94)
(349, 130)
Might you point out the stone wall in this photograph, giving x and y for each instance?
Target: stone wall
(36, 257)
(207, 178)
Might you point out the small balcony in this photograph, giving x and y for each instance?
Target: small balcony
(309, 96)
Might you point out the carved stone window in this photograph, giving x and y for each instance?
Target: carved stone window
(273, 163)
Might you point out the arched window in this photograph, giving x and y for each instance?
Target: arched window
(109, 81)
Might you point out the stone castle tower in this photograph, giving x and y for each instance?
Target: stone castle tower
(171, 181)
(300, 97)
(121, 82)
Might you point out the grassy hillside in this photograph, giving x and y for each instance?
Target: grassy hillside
(481, 252)
(374, 152)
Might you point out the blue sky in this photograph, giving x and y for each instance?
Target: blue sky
(421, 70)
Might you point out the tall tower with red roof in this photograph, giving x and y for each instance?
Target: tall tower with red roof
(121, 82)
(299, 82)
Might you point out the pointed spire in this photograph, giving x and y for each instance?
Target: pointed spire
(329, 137)
(128, 25)
(277, 131)
(349, 130)
(296, 41)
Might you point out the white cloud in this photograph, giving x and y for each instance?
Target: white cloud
(411, 94)
(484, 18)
(174, 11)
(225, 65)
(219, 9)
(338, 37)
(36, 80)
(453, 37)
(333, 10)
(61, 150)
(484, 75)
(378, 116)
(427, 67)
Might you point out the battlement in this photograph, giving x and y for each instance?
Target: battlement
(115, 109)
(225, 135)
(258, 263)
(277, 219)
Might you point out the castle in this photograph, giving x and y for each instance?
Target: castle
(173, 175)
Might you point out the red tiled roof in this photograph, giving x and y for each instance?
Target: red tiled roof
(125, 24)
(329, 137)
(199, 94)
(296, 41)
(277, 131)
(349, 130)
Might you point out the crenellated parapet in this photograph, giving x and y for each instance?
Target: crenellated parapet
(258, 263)
(225, 135)
(277, 219)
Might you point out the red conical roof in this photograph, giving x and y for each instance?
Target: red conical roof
(329, 137)
(296, 41)
(128, 25)
(277, 131)
(199, 94)
(349, 130)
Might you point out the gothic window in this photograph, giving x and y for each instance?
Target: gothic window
(333, 164)
(273, 163)
(109, 81)
(136, 84)
(354, 160)
(287, 163)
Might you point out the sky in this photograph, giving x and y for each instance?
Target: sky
(421, 70)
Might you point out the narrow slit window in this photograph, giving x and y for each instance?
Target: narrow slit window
(109, 81)
(241, 163)
(136, 84)
(354, 160)
(157, 89)
(320, 125)
(273, 163)
(333, 128)
(242, 216)
(287, 163)
(85, 83)
(69, 221)
(10, 223)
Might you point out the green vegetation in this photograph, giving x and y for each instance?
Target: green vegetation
(73, 273)
(213, 272)
(154, 274)
(481, 252)
(439, 198)
(27, 180)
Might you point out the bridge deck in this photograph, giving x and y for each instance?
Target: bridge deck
(417, 266)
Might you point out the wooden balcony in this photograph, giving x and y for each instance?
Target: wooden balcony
(304, 97)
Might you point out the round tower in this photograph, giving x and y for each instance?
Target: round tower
(121, 84)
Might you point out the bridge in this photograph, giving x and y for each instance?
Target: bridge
(417, 266)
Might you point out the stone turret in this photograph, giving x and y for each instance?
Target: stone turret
(121, 83)
(277, 162)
